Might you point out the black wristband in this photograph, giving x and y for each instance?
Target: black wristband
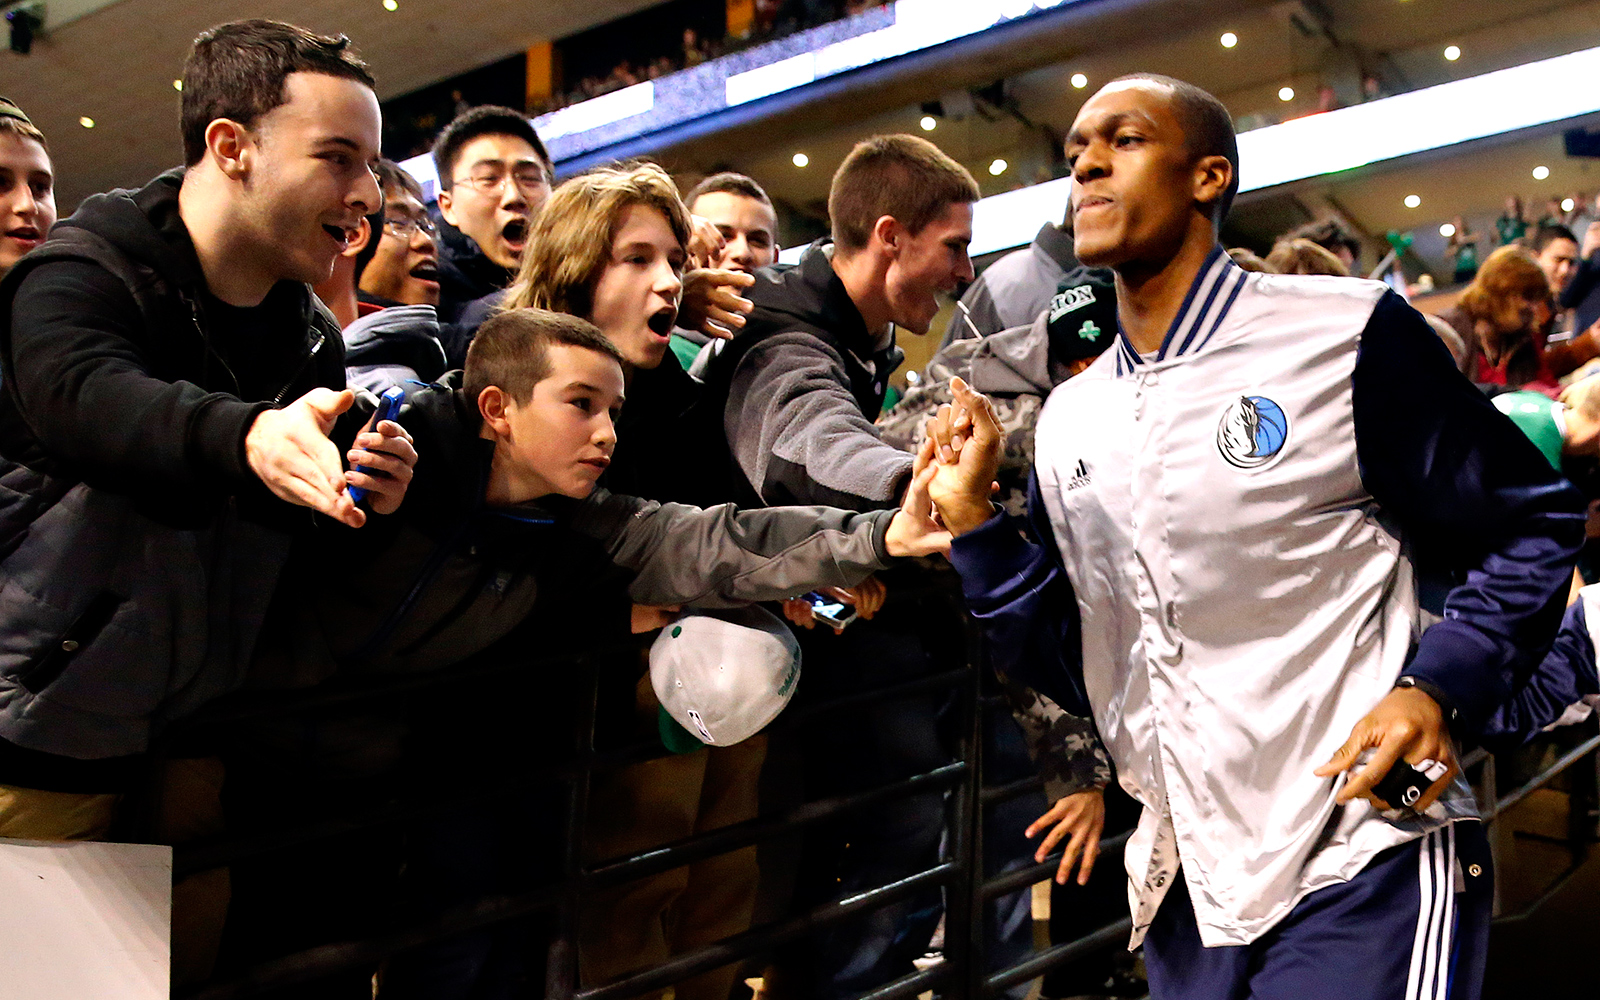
(1432, 691)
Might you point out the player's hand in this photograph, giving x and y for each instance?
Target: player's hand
(705, 242)
(648, 617)
(1406, 725)
(711, 302)
(965, 438)
(915, 529)
(389, 455)
(1082, 817)
(288, 450)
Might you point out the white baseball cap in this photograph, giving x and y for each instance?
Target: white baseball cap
(723, 675)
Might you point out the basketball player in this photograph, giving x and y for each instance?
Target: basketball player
(1239, 514)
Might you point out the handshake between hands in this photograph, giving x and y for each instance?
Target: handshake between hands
(952, 477)
(289, 450)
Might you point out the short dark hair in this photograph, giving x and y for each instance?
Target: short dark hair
(391, 177)
(1548, 234)
(1207, 129)
(14, 121)
(1329, 235)
(905, 177)
(728, 182)
(486, 119)
(237, 71)
(512, 350)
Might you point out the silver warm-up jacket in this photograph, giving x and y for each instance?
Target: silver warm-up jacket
(1232, 545)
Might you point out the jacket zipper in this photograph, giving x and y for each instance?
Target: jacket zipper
(199, 328)
(316, 345)
(318, 339)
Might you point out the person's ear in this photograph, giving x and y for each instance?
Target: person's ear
(1212, 177)
(446, 204)
(363, 237)
(888, 233)
(229, 145)
(492, 406)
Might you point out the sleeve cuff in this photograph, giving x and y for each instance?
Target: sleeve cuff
(1447, 668)
(991, 559)
(218, 437)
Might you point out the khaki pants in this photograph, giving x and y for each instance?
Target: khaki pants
(30, 814)
(645, 922)
(190, 808)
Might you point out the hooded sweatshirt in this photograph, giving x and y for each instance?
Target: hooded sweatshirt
(394, 346)
(797, 391)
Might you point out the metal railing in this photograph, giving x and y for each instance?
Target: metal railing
(964, 968)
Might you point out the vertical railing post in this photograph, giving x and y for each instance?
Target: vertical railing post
(964, 913)
(561, 966)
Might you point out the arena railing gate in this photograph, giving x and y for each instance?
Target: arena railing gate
(963, 969)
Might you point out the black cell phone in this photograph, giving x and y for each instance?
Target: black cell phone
(1405, 784)
(831, 610)
(388, 409)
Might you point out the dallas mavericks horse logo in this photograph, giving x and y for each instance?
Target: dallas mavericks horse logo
(1252, 432)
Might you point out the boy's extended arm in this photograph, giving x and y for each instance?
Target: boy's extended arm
(724, 557)
(1461, 478)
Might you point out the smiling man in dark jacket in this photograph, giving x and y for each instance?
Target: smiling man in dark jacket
(169, 387)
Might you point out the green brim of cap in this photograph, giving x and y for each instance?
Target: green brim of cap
(673, 736)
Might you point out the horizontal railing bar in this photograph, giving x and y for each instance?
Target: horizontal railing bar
(305, 966)
(1544, 777)
(758, 939)
(1009, 882)
(739, 835)
(910, 985)
(1055, 955)
(1011, 790)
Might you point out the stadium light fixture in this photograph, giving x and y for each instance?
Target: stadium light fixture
(1452, 52)
(997, 167)
(1412, 201)
(929, 123)
(1285, 93)
(1447, 230)
(1567, 204)
(1229, 39)
(86, 121)
(1079, 81)
(1541, 172)
(800, 159)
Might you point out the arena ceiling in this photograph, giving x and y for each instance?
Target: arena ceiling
(116, 63)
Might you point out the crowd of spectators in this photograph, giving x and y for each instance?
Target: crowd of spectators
(770, 20)
(565, 349)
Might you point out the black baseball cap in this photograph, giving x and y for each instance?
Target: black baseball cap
(1082, 318)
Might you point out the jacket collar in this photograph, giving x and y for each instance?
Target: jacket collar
(1211, 295)
(836, 311)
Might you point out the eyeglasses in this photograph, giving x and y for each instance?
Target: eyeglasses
(401, 229)
(527, 179)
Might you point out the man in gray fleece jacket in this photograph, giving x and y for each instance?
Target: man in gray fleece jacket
(800, 386)
(793, 397)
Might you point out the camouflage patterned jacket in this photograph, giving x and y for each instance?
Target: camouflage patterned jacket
(1014, 369)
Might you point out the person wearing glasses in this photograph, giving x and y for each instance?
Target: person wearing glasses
(494, 175)
(398, 339)
(400, 266)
